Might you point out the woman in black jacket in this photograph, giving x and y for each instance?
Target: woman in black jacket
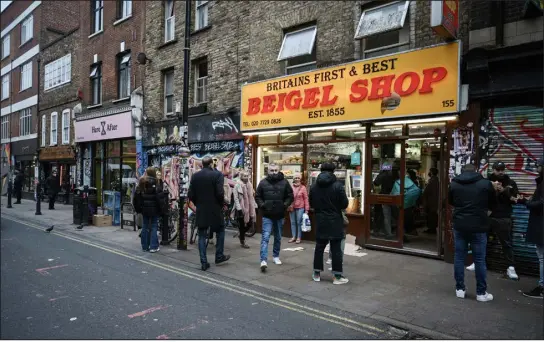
(148, 201)
(535, 228)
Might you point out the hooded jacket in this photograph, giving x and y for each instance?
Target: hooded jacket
(149, 201)
(504, 204)
(274, 195)
(472, 196)
(328, 199)
(412, 192)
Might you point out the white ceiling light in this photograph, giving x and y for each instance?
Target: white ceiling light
(309, 129)
(417, 139)
(417, 121)
(266, 132)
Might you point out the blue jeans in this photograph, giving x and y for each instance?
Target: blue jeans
(478, 242)
(219, 246)
(540, 253)
(149, 237)
(268, 226)
(296, 222)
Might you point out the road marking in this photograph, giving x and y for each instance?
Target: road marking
(147, 311)
(303, 309)
(43, 271)
(55, 299)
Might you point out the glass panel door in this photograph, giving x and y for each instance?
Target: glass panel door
(385, 193)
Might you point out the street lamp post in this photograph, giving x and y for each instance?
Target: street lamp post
(38, 181)
(182, 235)
(10, 172)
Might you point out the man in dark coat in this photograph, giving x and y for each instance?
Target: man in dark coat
(274, 195)
(328, 199)
(53, 188)
(501, 217)
(206, 192)
(473, 197)
(535, 228)
(431, 200)
(18, 185)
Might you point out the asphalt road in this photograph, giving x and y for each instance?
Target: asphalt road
(53, 287)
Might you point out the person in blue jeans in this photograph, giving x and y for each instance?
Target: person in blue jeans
(148, 201)
(473, 197)
(274, 195)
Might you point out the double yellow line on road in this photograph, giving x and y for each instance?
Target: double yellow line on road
(303, 309)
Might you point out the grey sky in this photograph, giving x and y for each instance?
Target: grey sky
(4, 4)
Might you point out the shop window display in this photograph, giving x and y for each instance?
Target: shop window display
(129, 179)
(385, 131)
(349, 159)
(287, 157)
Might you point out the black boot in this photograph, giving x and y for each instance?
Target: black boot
(205, 266)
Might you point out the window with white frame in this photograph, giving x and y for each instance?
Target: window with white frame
(27, 29)
(124, 8)
(5, 86)
(44, 129)
(26, 76)
(201, 14)
(25, 122)
(58, 72)
(123, 76)
(169, 20)
(201, 82)
(54, 133)
(383, 29)
(298, 50)
(5, 127)
(96, 84)
(6, 46)
(168, 81)
(97, 12)
(66, 126)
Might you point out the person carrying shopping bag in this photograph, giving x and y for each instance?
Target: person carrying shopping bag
(299, 207)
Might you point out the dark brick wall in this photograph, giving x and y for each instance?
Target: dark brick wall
(482, 12)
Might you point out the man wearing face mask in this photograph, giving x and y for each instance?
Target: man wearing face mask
(244, 202)
(274, 196)
(501, 215)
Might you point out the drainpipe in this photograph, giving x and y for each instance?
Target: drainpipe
(499, 23)
(38, 182)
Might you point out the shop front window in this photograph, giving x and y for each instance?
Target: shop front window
(268, 139)
(349, 160)
(99, 171)
(129, 179)
(287, 157)
(322, 135)
(385, 131)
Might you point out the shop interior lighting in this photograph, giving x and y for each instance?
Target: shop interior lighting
(416, 139)
(310, 129)
(387, 129)
(267, 132)
(435, 124)
(417, 121)
(322, 134)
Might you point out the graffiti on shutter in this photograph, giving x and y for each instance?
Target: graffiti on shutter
(515, 136)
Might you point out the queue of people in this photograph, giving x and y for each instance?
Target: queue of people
(480, 205)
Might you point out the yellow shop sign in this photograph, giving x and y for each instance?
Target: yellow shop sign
(419, 82)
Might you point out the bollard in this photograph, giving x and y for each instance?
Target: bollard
(38, 199)
(10, 190)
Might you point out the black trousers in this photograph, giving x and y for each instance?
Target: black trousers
(243, 228)
(503, 230)
(432, 220)
(409, 220)
(335, 252)
(18, 194)
(52, 199)
(164, 229)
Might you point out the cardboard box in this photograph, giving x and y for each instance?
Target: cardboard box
(102, 220)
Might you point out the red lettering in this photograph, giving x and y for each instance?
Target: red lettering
(414, 83)
(327, 101)
(309, 98)
(293, 95)
(381, 83)
(268, 103)
(281, 99)
(430, 76)
(254, 106)
(358, 91)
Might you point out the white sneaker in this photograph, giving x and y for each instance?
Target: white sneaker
(485, 297)
(316, 276)
(340, 281)
(264, 265)
(277, 261)
(460, 293)
(329, 261)
(471, 267)
(330, 268)
(511, 273)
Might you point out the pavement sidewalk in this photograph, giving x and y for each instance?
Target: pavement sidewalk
(412, 293)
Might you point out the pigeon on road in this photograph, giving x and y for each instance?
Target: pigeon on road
(48, 230)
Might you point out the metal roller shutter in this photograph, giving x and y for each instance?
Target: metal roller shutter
(516, 137)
